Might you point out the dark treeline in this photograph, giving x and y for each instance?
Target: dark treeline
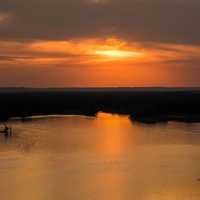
(145, 105)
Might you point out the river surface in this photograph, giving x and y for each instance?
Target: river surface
(108, 157)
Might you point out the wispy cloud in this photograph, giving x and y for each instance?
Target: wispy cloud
(95, 51)
(4, 18)
(172, 21)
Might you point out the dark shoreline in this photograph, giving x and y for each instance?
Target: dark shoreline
(147, 105)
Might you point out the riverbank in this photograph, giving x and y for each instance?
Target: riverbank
(141, 104)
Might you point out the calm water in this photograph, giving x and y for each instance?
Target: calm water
(103, 158)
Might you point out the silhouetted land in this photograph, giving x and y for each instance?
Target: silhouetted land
(142, 104)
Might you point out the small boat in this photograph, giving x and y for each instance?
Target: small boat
(6, 130)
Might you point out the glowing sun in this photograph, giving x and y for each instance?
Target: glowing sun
(117, 54)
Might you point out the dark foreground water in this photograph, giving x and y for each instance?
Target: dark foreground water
(103, 158)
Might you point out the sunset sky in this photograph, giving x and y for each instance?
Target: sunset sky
(99, 43)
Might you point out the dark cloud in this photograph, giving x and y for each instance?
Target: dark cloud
(174, 21)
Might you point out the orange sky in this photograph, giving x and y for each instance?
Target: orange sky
(95, 51)
(110, 62)
(99, 43)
